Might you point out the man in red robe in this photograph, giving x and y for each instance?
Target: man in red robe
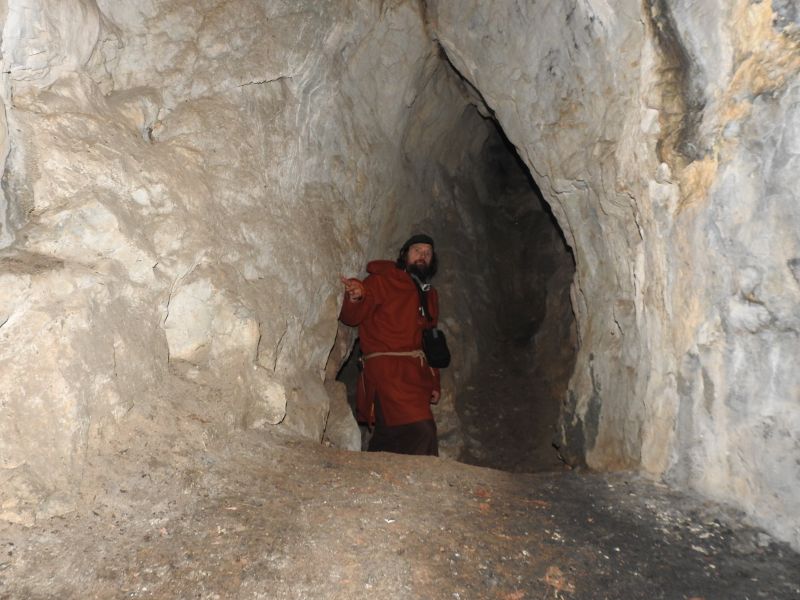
(397, 386)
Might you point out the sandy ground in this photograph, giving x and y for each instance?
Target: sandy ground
(261, 517)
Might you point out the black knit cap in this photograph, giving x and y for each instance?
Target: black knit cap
(419, 238)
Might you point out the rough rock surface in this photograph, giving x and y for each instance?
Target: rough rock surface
(184, 182)
(664, 136)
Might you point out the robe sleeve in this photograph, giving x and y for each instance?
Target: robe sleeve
(353, 313)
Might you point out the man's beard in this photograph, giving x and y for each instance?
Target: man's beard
(420, 269)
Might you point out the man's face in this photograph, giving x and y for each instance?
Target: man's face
(420, 255)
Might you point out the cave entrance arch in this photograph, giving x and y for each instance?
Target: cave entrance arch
(514, 271)
(510, 407)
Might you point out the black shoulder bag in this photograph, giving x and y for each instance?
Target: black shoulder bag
(434, 344)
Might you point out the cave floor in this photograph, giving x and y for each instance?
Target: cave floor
(510, 408)
(277, 518)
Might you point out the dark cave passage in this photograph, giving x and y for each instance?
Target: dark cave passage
(508, 404)
(510, 407)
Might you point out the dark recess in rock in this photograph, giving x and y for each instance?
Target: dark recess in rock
(681, 72)
(794, 267)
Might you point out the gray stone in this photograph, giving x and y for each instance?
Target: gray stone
(341, 429)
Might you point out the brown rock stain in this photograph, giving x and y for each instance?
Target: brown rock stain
(764, 59)
(696, 180)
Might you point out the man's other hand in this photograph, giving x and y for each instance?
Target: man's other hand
(354, 289)
(435, 395)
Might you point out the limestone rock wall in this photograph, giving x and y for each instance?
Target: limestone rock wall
(184, 182)
(663, 135)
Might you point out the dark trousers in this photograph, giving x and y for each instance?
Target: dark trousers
(412, 438)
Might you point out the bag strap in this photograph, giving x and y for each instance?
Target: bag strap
(423, 298)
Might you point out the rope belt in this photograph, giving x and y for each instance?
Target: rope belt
(413, 353)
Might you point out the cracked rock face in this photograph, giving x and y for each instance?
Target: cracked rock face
(663, 135)
(184, 184)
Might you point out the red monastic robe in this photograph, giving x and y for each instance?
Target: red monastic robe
(389, 320)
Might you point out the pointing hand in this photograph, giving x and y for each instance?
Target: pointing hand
(354, 289)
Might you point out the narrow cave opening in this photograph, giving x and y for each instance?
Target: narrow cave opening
(510, 407)
(506, 285)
